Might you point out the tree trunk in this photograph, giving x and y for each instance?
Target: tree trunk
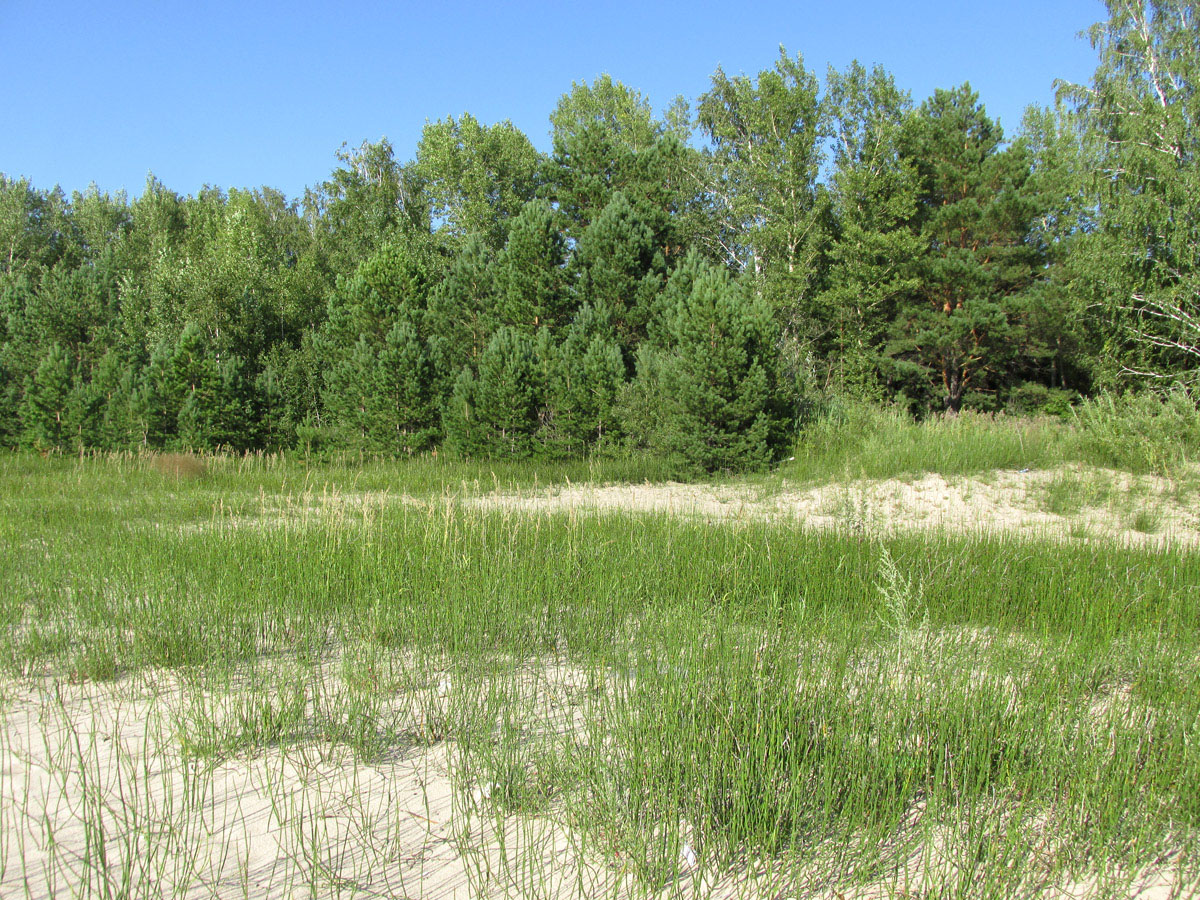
(954, 393)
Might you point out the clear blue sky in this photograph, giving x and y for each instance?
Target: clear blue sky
(242, 94)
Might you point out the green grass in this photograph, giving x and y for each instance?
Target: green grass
(1070, 491)
(870, 442)
(819, 710)
(1137, 434)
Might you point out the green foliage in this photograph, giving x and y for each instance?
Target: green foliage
(531, 288)
(872, 258)
(619, 270)
(961, 330)
(46, 399)
(214, 396)
(713, 387)
(289, 389)
(495, 411)
(380, 396)
(1141, 261)
(154, 406)
(587, 374)
(766, 135)
(462, 313)
(404, 390)
(606, 139)
(393, 282)
(35, 228)
(370, 199)
(477, 178)
(907, 256)
(1141, 432)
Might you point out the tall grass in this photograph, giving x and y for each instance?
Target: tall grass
(754, 708)
(1137, 433)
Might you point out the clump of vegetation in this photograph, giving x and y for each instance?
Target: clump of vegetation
(1141, 432)
(1135, 433)
(846, 440)
(177, 465)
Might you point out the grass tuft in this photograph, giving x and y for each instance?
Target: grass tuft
(177, 465)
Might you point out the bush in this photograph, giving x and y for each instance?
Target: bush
(1032, 398)
(1140, 432)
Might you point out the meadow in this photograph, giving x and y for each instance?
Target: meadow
(272, 677)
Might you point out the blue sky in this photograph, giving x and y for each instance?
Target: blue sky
(243, 94)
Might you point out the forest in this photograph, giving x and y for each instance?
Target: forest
(695, 283)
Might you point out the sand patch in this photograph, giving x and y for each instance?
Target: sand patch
(98, 797)
(1001, 502)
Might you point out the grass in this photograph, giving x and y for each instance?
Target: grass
(1136, 434)
(1147, 520)
(1135, 505)
(753, 710)
(1070, 491)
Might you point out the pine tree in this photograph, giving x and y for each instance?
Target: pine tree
(586, 375)
(871, 259)
(461, 317)
(19, 354)
(272, 424)
(45, 404)
(194, 383)
(530, 274)
(496, 412)
(114, 382)
(391, 284)
(404, 392)
(960, 330)
(715, 382)
(82, 417)
(350, 388)
(232, 418)
(619, 270)
(606, 139)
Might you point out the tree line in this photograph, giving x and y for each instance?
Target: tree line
(688, 282)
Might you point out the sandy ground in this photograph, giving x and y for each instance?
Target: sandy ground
(1146, 511)
(97, 800)
(1002, 502)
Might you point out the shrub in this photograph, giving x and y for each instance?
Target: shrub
(1140, 432)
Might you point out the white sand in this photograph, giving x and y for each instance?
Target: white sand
(1003, 502)
(97, 800)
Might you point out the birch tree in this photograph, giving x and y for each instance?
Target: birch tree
(765, 161)
(1142, 111)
